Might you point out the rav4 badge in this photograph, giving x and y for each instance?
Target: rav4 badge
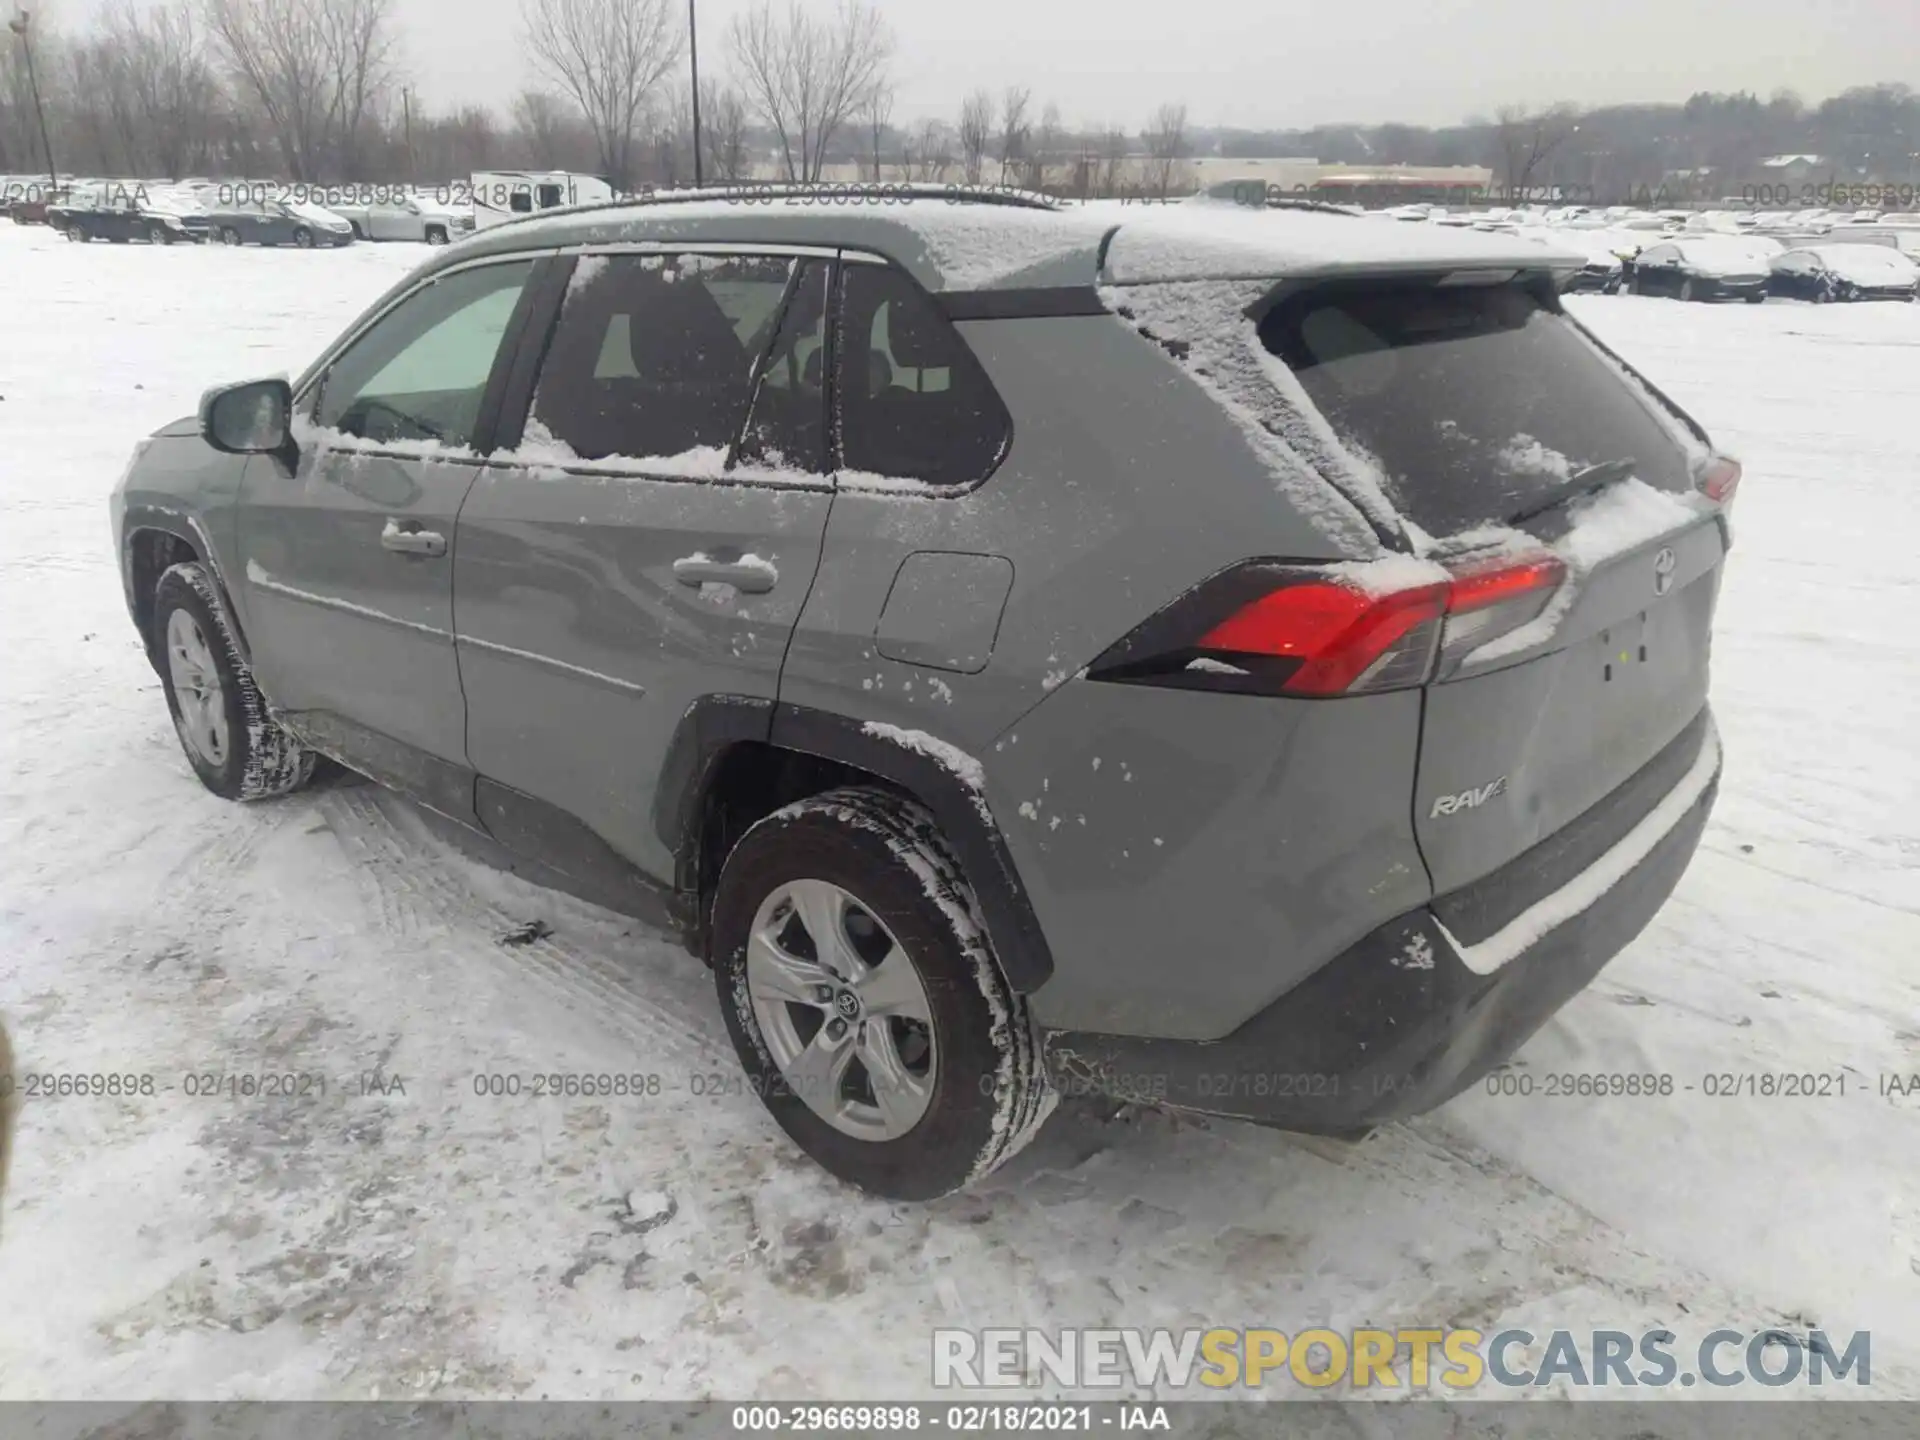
(1468, 799)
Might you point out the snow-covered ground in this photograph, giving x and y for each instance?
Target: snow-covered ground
(437, 1242)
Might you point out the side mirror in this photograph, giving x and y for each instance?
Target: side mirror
(252, 418)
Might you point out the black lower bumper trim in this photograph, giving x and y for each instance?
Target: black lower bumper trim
(1390, 1028)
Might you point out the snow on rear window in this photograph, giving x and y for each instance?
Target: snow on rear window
(1203, 324)
(1477, 404)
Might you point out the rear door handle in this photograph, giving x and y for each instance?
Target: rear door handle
(412, 542)
(749, 574)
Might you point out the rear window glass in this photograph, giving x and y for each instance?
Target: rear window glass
(1476, 403)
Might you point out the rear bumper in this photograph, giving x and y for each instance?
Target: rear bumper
(1411, 1014)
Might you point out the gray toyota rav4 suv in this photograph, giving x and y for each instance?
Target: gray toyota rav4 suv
(1248, 662)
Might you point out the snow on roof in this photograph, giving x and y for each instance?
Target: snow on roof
(1780, 162)
(946, 242)
(1202, 241)
(951, 243)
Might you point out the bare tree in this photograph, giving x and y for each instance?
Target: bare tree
(876, 113)
(607, 56)
(806, 77)
(976, 133)
(1528, 138)
(1040, 151)
(276, 52)
(933, 150)
(1166, 141)
(359, 40)
(175, 91)
(1014, 130)
(723, 127)
(537, 115)
(315, 69)
(1113, 159)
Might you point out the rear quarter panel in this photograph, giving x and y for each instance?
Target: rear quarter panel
(1126, 485)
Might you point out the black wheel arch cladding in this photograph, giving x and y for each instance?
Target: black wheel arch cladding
(715, 724)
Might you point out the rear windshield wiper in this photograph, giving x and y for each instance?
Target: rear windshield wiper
(1581, 482)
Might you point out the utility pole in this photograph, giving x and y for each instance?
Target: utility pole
(693, 51)
(18, 25)
(406, 117)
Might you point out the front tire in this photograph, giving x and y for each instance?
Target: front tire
(436, 235)
(303, 239)
(231, 741)
(865, 1002)
(229, 236)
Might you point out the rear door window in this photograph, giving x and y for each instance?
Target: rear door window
(654, 355)
(914, 403)
(1475, 403)
(788, 427)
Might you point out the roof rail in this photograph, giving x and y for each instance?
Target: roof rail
(759, 192)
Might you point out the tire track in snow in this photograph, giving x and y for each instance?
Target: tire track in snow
(415, 890)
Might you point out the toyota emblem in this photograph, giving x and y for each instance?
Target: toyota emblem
(1663, 567)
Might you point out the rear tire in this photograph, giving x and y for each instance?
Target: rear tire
(159, 235)
(230, 740)
(229, 236)
(970, 1071)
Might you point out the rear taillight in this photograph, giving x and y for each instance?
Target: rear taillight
(1720, 479)
(1335, 637)
(1273, 629)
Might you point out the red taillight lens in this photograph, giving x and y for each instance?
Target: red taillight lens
(1479, 586)
(1292, 630)
(1720, 479)
(1336, 633)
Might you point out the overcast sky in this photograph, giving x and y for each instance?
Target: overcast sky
(1279, 63)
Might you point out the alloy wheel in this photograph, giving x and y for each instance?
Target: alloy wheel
(197, 690)
(842, 1009)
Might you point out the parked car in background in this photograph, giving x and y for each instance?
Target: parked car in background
(1708, 267)
(118, 215)
(406, 217)
(500, 195)
(277, 222)
(1601, 271)
(1822, 273)
(26, 202)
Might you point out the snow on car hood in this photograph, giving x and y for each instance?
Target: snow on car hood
(1868, 264)
(1722, 257)
(316, 215)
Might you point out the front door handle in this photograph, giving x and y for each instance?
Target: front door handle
(749, 574)
(412, 542)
